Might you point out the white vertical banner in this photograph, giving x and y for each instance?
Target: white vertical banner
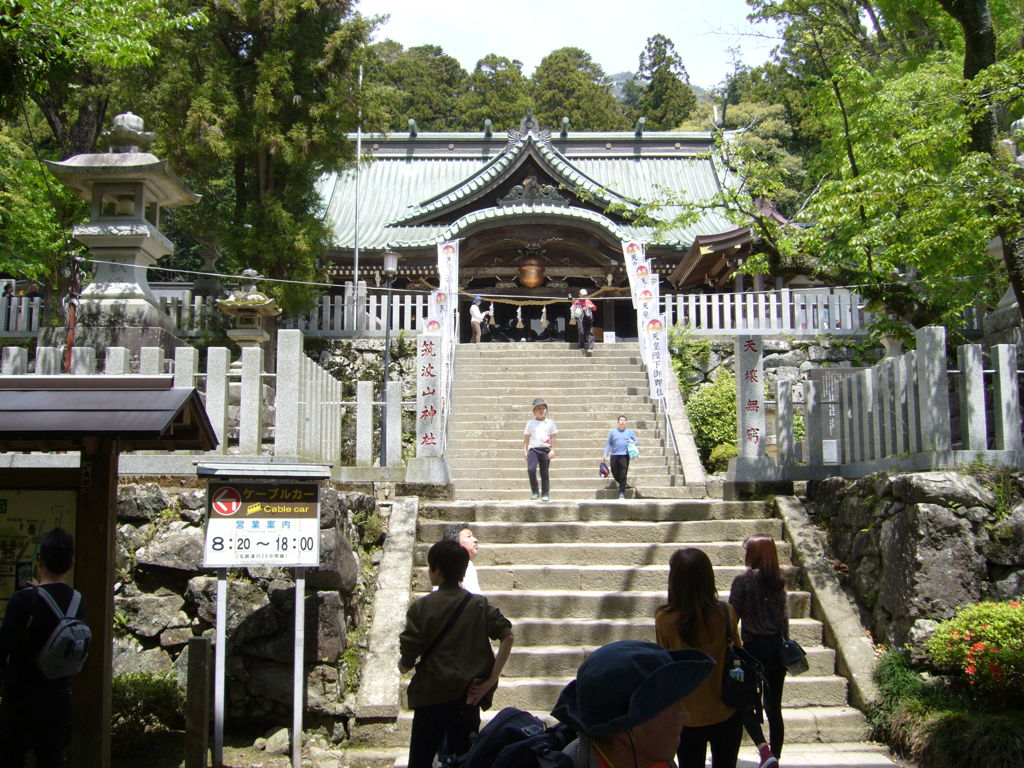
(646, 298)
(429, 395)
(446, 297)
(633, 255)
(657, 352)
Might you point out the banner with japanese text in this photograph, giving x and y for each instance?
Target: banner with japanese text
(658, 364)
(446, 298)
(429, 395)
(647, 297)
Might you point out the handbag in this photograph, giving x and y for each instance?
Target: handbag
(794, 658)
(631, 449)
(742, 674)
(603, 470)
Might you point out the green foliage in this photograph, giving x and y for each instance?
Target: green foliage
(371, 528)
(712, 412)
(1004, 482)
(718, 462)
(496, 90)
(690, 356)
(143, 701)
(667, 99)
(569, 83)
(983, 645)
(426, 85)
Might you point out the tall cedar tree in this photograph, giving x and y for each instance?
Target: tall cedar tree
(569, 83)
(667, 100)
(497, 90)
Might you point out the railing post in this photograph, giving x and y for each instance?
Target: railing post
(151, 361)
(913, 417)
(116, 362)
(186, 362)
(812, 429)
(1006, 398)
(886, 404)
(785, 443)
(15, 361)
(394, 423)
(197, 703)
(364, 423)
(287, 397)
(83, 361)
(867, 445)
(973, 430)
(846, 423)
(250, 405)
(47, 361)
(218, 360)
(933, 389)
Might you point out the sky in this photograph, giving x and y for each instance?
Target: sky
(612, 31)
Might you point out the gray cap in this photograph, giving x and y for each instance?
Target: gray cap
(539, 401)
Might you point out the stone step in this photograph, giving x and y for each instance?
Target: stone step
(554, 511)
(570, 444)
(490, 423)
(622, 398)
(514, 486)
(605, 577)
(647, 492)
(490, 369)
(530, 631)
(516, 477)
(595, 391)
(804, 725)
(543, 351)
(557, 603)
(480, 403)
(640, 532)
(581, 464)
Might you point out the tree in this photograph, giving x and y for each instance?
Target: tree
(497, 90)
(253, 109)
(667, 99)
(427, 85)
(569, 83)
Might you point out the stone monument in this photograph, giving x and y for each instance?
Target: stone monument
(125, 188)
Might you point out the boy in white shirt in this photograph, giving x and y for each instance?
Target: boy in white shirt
(539, 448)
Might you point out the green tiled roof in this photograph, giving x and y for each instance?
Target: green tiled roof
(410, 180)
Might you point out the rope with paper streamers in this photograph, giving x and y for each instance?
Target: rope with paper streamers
(493, 298)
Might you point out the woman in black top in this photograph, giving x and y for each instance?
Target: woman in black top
(758, 596)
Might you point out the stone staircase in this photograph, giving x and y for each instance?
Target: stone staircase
(494, 387)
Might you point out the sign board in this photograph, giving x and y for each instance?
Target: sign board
(25, 517)
(274, 523)
(429, 395)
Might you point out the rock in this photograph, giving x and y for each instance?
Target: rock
(331, 507)
(929, 566)
(271, 681)
(327, 626)
(124, 646)
(817, 354)
(920, 631)
(321, 758)
(193, 499)
(260, 744)
(1008, 587)
(179, 547)
(946, 488)
(192, 516)
(323, 691)
(148, 615)
(791, 359)
(339, 568)
(177, 636)
(153, 661)
(1005, 544)
(278, 742)
(140, 503)
(249, 613)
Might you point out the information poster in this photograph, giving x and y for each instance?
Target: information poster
(274, 524)
(25, 517)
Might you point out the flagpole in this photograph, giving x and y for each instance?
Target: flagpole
(356, 314)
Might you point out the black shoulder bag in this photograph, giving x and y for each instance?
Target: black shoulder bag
(444, 631)
(742, 675)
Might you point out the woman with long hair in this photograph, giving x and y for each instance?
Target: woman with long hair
(758, 596)
(694, 617)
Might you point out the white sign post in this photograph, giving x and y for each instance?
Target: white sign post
(257, 520)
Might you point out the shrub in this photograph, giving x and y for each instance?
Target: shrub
(720, 455)
(690, 357)
(712, 412)
(983, 643)
(142, 701)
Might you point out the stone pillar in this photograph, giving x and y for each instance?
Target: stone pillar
(250, 404)
(117, 363)
(972, 397)
(750, 396)
(1006, 398)
(364, 423)
(784, 423)
(287, 395)
(393, 423)
(813, 426)
(933, 389)
(47, 361)
(218, 360)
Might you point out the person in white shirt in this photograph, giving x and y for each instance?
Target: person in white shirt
(462, 533)
(476, 319)
(539, 448)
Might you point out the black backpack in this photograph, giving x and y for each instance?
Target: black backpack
(518, 739)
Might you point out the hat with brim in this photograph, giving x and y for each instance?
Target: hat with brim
(539, 402)
(626, 683)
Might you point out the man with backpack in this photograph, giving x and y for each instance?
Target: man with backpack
(449, 633)
(626, 704)
(43, 641)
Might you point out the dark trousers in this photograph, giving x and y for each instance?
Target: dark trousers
(453, 723)
(620, 468)
(586, 327)
(35, 720)
(767, 649)
(724, 738)
(538, 458)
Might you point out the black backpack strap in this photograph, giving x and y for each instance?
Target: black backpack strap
(444, 630)
(728, 621)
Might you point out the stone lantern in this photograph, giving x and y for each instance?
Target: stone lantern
(251, 310)
(125, 188)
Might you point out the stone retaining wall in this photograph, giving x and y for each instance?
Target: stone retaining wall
(163, 597)
(914, 547)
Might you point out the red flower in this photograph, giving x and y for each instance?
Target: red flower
(969, 669)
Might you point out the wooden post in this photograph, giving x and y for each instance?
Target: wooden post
(96, 523)
(197, 704)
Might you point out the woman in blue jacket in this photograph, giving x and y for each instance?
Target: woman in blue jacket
(621, 446)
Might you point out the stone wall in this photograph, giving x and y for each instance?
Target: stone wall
(914, 547)
(163, 597)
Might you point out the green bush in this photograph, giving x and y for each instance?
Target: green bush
(712, 412)
(690, 357)
(143, 701)
(984, 646)
(720, 455)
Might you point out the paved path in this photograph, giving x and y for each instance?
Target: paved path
(862, 755)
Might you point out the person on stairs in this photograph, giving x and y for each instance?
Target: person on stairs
(625, 703)
(476, 317)
(539, 448)
(463, 534)
(693, 617)
(621, 446)
(758, 595)
(449, 631)
(583, 309)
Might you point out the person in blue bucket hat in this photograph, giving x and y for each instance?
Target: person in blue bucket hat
(476, 317)
(626, 704)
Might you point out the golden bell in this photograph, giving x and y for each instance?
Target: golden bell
(531, 273)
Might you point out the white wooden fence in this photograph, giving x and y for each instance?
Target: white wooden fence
(19, 316)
